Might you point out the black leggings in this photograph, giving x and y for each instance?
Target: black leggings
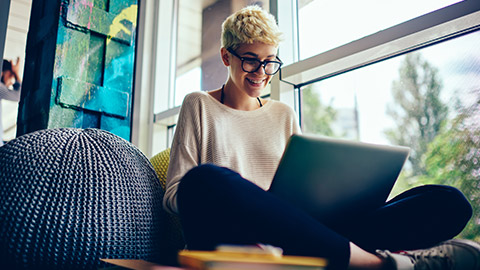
(218, 206)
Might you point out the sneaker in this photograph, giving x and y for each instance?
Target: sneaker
(455, 254)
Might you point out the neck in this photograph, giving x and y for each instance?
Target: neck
(244, 104)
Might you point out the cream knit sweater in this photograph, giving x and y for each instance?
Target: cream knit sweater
(248, 142)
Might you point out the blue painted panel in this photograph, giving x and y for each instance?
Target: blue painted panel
(94, 66)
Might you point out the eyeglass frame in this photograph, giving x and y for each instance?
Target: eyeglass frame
(262, 63)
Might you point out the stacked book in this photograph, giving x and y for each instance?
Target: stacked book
(239, 258)
(262, 257)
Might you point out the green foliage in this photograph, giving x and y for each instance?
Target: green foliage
(444, 151)
(453, 158)
(317, 117)
(418, 111)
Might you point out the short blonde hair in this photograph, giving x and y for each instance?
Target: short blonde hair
(248, 25)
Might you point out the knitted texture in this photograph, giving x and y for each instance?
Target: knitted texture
(248, 142)
(69, 197)
(174, 240)
(160, 163)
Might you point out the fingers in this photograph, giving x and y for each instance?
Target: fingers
(17, 63)
(16, 67)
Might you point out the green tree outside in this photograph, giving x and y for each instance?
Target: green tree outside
(453, 158)
(444, 151)
(317, 117)
(445, 141)
(418, 110)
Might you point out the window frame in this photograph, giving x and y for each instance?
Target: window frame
(432, 28)
(440, 25)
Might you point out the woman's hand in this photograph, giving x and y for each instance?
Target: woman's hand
(16, 69)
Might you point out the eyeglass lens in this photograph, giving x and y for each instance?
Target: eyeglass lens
(252, 65)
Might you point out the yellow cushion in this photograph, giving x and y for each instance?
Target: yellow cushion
(160, 163)
(174, 234)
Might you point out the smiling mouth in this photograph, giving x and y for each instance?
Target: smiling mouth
(255, 81)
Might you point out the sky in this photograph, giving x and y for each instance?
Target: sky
(322, 28)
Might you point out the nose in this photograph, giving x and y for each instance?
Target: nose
(261, 70)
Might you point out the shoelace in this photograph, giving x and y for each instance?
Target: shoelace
(425, 259)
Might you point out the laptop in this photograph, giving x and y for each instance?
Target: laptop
(335, 179)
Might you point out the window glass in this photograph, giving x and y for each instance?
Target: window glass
(428, 100)
(198, 62)
(324, 25)
(189, 48)
(15, 43)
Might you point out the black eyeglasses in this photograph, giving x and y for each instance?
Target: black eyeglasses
(251, 65)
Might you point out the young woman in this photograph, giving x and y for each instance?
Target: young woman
(227, 145)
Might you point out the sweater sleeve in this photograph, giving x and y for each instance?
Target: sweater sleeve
(295, 125)
(184, 153)
(5, 93)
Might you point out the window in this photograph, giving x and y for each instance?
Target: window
(324, 25)
(189, 48)
(427, 99)
(15, 43)
(364, 104)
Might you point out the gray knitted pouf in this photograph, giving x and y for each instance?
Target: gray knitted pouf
(69, 197)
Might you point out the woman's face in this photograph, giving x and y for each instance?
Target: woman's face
(251, 83)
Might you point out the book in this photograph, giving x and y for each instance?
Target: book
(232, 260)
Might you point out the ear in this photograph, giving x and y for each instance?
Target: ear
(225, 57)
